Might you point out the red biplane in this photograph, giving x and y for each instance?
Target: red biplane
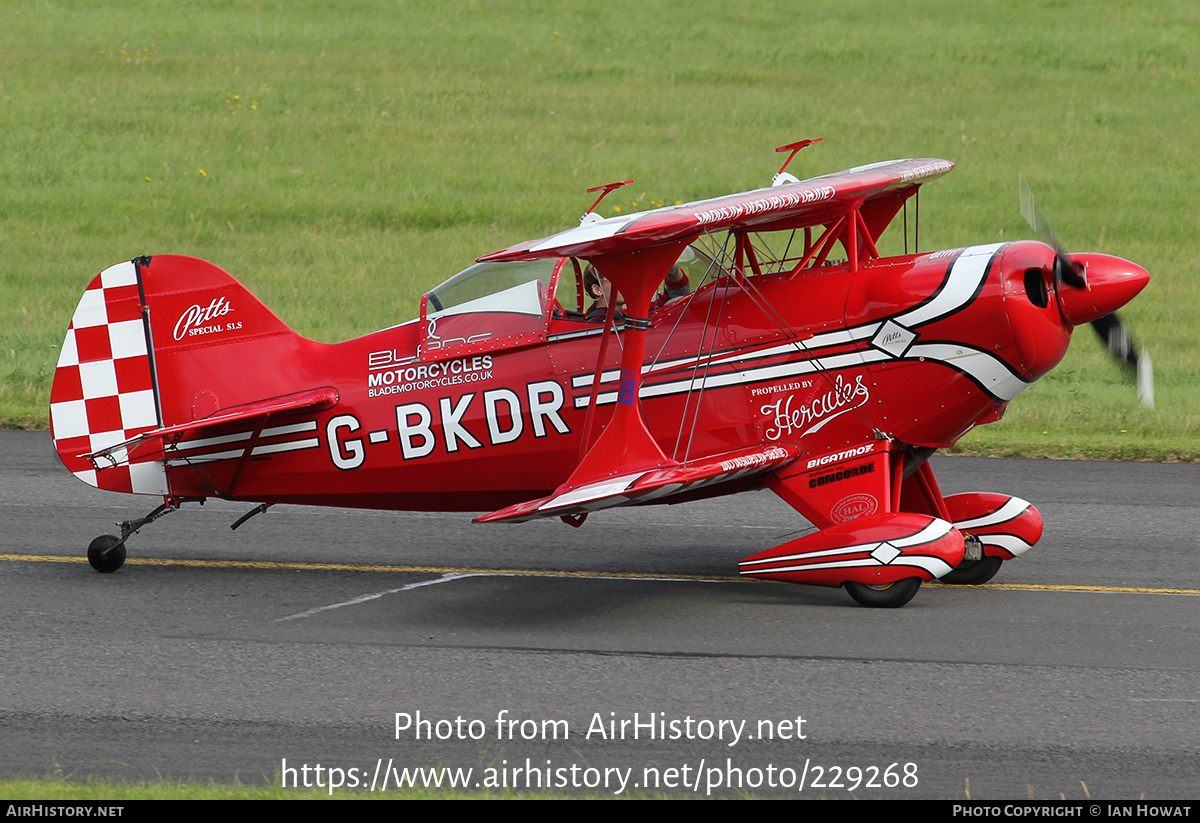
(829, 381)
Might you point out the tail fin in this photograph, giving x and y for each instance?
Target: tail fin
(160, 342)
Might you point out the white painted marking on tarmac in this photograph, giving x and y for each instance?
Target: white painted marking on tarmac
(445, 578)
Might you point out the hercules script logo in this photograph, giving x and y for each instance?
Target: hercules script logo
(843, 397)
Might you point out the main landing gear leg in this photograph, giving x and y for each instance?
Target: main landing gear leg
(921, 493)
(106, 553)
(996, 527)
(868, 542)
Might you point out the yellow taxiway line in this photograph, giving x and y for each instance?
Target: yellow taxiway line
(352, 567)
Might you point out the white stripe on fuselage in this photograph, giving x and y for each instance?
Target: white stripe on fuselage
(963, 281)
(959, 289)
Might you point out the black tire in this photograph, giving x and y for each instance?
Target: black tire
(887, 596)
(974, 574)
(106, 563)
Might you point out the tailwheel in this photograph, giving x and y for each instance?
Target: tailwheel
(973, 572)
(885, 596)
(106, 553)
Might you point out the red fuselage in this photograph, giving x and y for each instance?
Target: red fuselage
(917, 349)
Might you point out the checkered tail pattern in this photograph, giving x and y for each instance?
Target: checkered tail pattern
(104, 388)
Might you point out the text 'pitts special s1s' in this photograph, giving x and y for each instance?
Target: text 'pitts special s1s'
(831, 382)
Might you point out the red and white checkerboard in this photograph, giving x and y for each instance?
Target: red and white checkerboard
(103, 390)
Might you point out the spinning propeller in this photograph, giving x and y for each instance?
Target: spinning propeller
(1070, 274)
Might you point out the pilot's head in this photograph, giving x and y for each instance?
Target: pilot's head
(596, 285)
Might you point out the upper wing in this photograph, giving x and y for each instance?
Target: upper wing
(789, 206)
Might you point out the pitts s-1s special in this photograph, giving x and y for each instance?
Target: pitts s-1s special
(767, 362)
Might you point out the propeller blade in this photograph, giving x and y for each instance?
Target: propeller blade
(1110, 328)
(1116, 337)
(1036, 220)
(1145, 380)
(1065, 270)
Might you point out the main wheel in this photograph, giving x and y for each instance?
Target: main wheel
(109, 562)
(886, 596)
(974, 574)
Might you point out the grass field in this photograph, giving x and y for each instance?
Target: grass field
(98, 790)
(340, 159)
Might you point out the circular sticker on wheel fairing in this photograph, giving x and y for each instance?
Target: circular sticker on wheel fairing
(853, 507)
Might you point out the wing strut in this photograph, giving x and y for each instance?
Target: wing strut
(585, 442)
(626, 444)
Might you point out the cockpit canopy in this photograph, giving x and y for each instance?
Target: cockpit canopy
(499, 305)
(487, 307)
(494, 287)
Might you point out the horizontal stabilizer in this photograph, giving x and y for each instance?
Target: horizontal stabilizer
(644, 486)
(310, 400)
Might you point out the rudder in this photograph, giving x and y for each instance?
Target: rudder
(160, 341)
(103, 390)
